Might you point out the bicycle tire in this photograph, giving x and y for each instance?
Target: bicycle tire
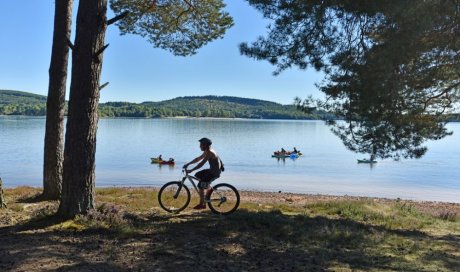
(167, 200)
(231, 195)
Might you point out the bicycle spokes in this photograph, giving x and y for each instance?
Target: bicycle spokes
(224, 199)
(174, 196)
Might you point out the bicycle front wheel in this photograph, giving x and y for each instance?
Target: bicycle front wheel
(174, 197)
(224, 199)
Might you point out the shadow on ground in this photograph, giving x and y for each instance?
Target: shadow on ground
(244, 241)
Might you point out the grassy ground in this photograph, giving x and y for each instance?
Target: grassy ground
(269, 232)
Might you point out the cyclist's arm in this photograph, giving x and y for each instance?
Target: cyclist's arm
(198, 166)
(204, 160)
(197, 159)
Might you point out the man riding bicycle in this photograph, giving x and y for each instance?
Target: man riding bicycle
(208, 175)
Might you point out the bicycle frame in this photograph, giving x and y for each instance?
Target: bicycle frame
(191, 178)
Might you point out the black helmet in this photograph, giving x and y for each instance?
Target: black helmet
(205, 141)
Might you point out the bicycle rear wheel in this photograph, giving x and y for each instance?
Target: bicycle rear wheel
(174, 197)
(224, 199)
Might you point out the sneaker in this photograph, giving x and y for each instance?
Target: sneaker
(199, 207)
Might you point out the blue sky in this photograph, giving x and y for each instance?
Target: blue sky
(139, 72)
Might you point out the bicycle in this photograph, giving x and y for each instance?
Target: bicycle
(174, 196)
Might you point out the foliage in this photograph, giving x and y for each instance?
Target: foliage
(11, 97)
(106, 216)
(205, 106)
(391, 66)
(21, 103)
(192, 106)
(180, 26)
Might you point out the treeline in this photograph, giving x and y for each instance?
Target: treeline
(205, 106)
(21, 103)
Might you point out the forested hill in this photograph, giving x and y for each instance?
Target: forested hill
(22, 103)
(9, 97)
(225, 106)
(206, 106)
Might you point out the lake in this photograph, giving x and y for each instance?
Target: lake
(124, 148)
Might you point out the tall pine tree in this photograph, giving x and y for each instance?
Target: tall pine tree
(179, 26)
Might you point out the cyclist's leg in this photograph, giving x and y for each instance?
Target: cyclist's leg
(201, 175)
(209, 189)
(205, 177)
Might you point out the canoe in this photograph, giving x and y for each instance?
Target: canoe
(286, 155)
(167, 162)
(280, 156)
(366, 161)
(156, 160)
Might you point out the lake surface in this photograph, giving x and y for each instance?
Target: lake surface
(125, 146)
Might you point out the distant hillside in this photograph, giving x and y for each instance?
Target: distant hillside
(206, 106)
(21, 103)
(8, 97)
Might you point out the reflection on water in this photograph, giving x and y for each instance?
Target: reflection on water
(125, 146)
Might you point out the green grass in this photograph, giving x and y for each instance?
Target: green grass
(333, 235)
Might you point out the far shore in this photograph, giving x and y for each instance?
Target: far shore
(194, 117)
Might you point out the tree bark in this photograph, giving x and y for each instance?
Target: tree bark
(55, 104)
(80, 141)
(2, 198)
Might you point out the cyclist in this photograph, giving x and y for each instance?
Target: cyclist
(208, 175)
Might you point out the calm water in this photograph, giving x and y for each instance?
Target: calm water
(125, 146)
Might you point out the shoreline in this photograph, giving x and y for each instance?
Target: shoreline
(272, 197)
(415, 196)
(193, 117)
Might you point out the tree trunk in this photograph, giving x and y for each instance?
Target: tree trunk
(2, 198)
(55, 105)
(80, 141)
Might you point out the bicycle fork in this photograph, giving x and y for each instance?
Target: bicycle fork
(176, 195)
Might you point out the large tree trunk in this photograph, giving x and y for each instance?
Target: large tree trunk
(2, 198)
(55, 105)
(80, 142)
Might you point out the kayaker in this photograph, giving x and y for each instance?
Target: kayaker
(295, 150)
(160, 158)
(282, 150)
(208, 175)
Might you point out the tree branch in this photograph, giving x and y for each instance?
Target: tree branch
(70, 44)
(101, 50)
(103, 86)
(189, 4)
(444, 92)
(117, 18)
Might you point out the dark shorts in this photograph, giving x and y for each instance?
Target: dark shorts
(205, 177)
